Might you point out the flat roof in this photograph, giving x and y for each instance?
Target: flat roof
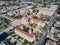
(46, 11)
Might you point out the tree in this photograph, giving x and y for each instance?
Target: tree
(25, 42)
(58, 11)
(43, 28)
(35, 17)
(12, 44)
(31, 43)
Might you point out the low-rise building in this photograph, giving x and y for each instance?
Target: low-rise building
(25, 20)
(41, 23)
(11, 13)
(50, 42)
(47, 11)
(28, 36)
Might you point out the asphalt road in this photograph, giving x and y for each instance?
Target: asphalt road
(42, 39)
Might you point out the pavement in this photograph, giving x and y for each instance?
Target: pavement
(13, 40)
(42, 39)
(8, 29)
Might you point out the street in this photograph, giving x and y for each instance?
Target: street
(42, 39)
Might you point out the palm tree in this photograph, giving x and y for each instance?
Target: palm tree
(25, 42)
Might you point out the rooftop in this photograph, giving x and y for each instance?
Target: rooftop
(24, 32)
(49, 42)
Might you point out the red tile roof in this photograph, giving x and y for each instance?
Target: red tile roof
(24, 32)
(34, 20)
(58, 43)
(52, 43)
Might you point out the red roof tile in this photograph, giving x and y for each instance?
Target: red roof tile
(34, 20)
(24, 32)
(58, 43)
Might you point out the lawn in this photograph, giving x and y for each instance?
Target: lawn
(1, 26)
